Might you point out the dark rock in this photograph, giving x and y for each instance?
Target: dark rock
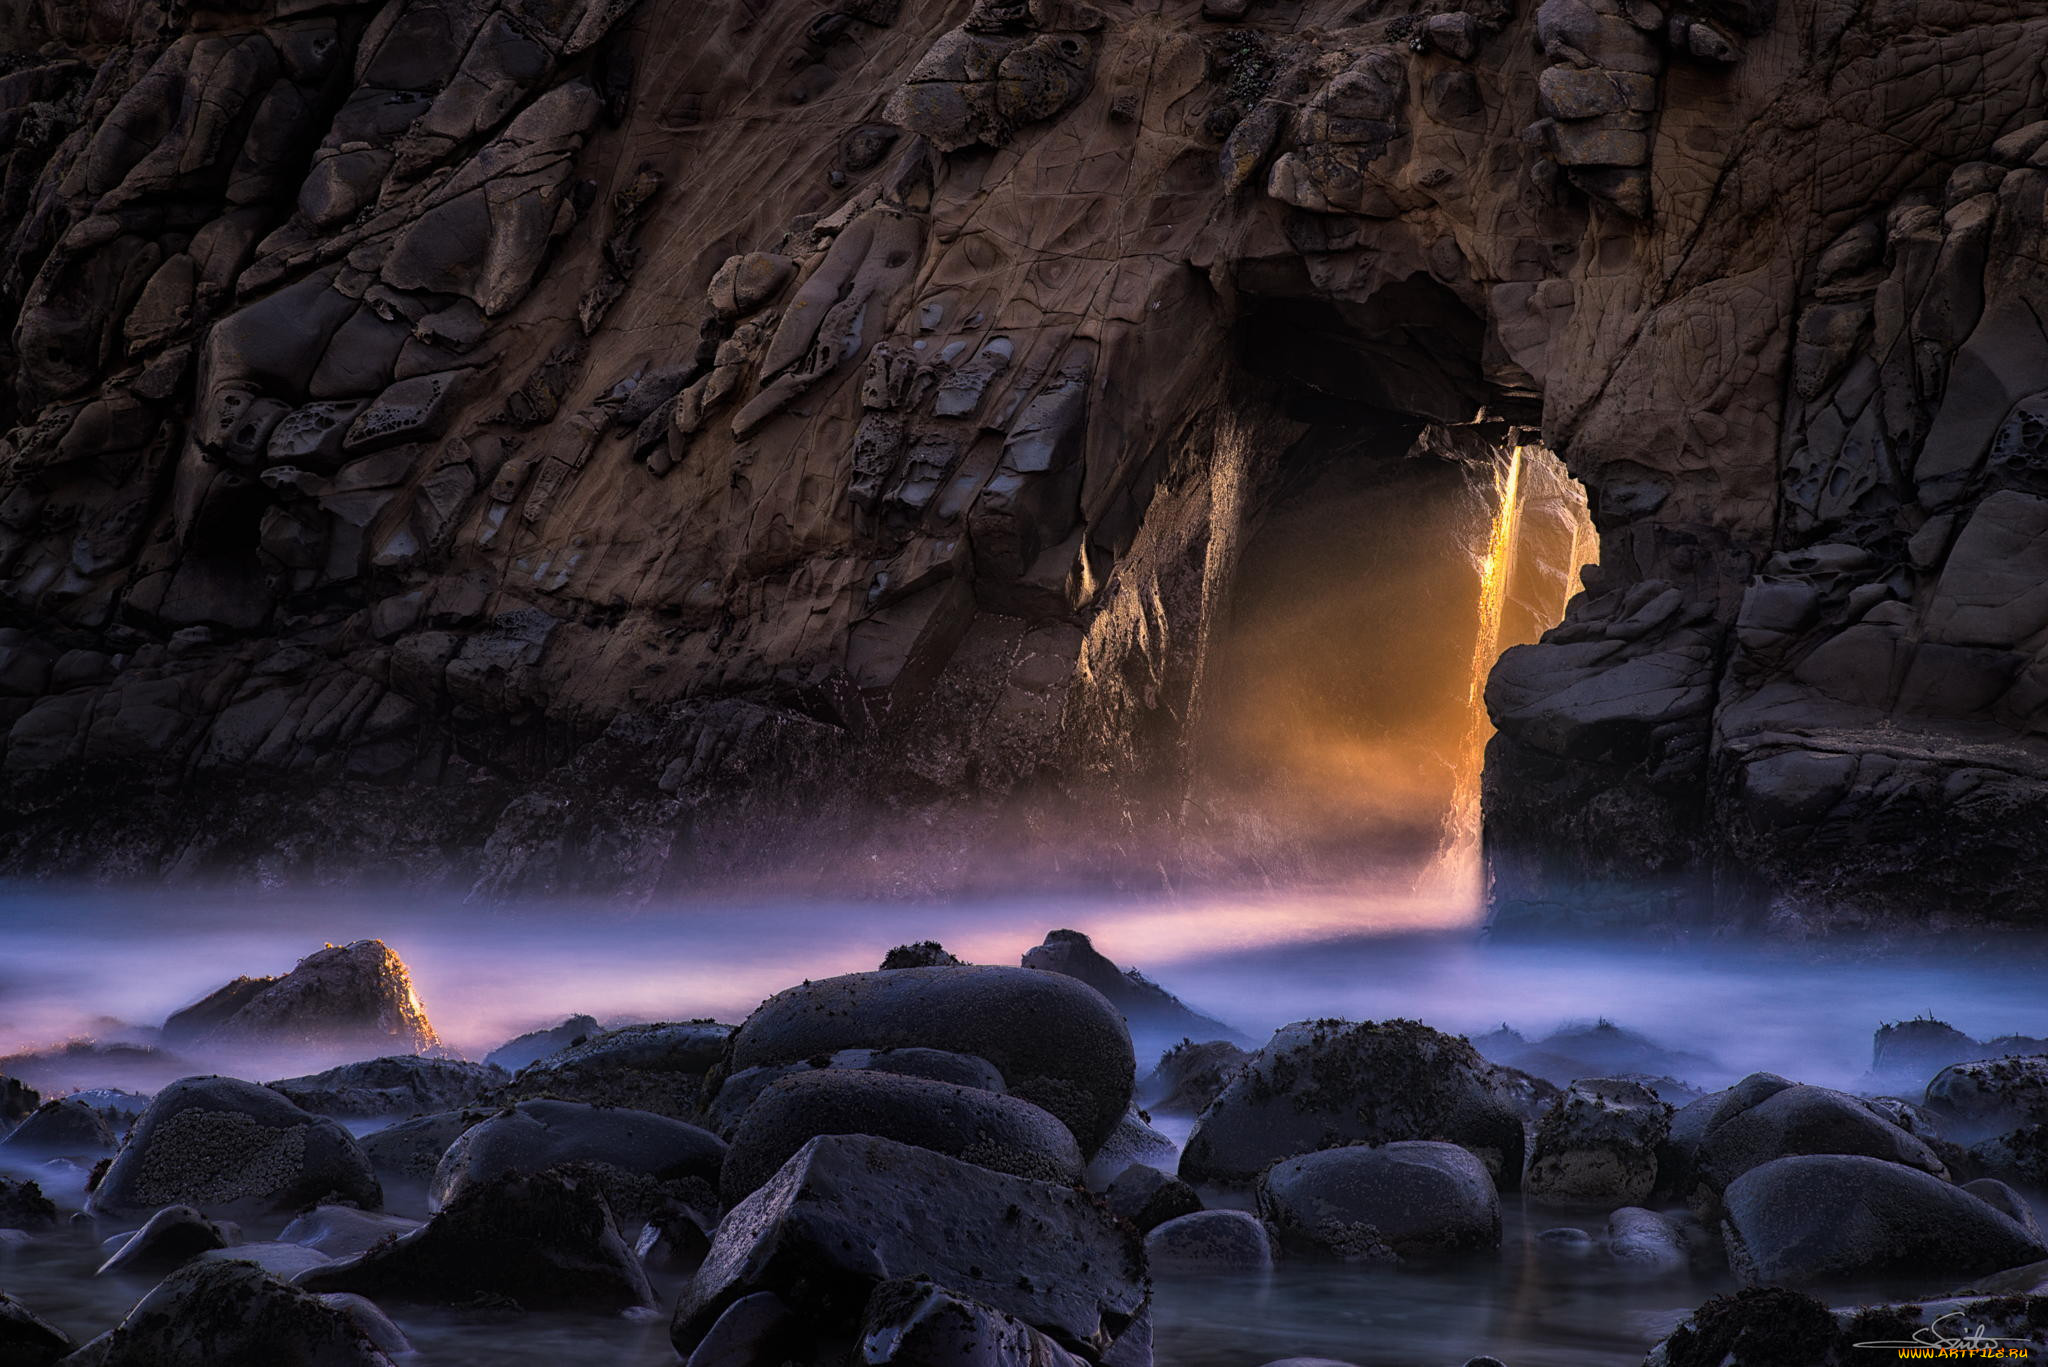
(1057, 1043)
(1767, 1325)
(1148, 1197)
(985, 1128)
(23, 1206)
(541, 1241)
(1145, 1005)
(232, 1148)
(754, 1329)
(338, 1231)
(1991, 1095)
(738, 1091)
(913, 1323)
(849, 1212)
(1599, 1143)
(536, 1045)
(1646, 1242)
(26, 1339)
(119, 1108)
(169, 1239)
(66, 1127)
(337, 995)
(1132, 1141)
(657, 1068)
(403, 1084)
(1602, 1049)
(923, 954)
(1411, 1199)
(17, 1101)
(630, 1154)
(284, 1261)
(210, 1313)
(1785, 1223)
(1319, 1083)
(1210, 1241)
(411, 1150)
(1189, 1075)
(1799, 1120)
(1916, 1049)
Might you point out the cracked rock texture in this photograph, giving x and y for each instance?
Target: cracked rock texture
(580, 445)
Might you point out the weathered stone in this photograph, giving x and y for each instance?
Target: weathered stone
(168, 1240)
(1210, 1241)
(659, 1067)
(233, 1311)
(1410, 1199)
(1599, 1142)
(340, 995)
(634, 1155)
(402, 1085)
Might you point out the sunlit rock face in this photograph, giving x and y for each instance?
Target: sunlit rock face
(523, 445)
(340, 997)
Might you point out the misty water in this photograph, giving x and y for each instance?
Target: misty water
(112, 965)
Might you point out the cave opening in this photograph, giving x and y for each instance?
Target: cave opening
(1414, 531)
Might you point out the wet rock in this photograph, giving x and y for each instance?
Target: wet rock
(986, 1128)
(536, 1045)
(169, 1239)
(1786, 1223)
(1319, 1083)
(338, 995)
(1145, 1005)
(1411, 1199)
(756, 1328)
(338, 1231)
(1646, 1242)
(1991, 1095)
(23, 1205)
(1057, 1043)
(1799, 1120)
(1599, 1142)
(658, 1067)
(1132, 1141)
(631, 1156)
(1189, 1076)
(541, 1241)
(66, 1126)
(400, 1085)
(282, 1260)
(232, 1148)
(411, 1150)
(914, 1323)
(26, 1338)
(209, 1313)
(1210, 1241)
(738, 1092)
(849, 1212)
(1148, 1197)
(413, 409)
(923, 954)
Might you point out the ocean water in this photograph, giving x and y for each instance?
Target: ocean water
(111, 965)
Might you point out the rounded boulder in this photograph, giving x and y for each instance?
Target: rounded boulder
(1416, 1198)
(637, 1150)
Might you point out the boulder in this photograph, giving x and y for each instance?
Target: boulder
(282, 1260)
(1824, 1217)
(338, 1231)
(1645, 1242)
(209, 1314)
(638, 1159)
(65, 1127)
(26, 1338)
(1411, 1199)
(986, 1128)
(535, 1045)
(402, 1084)
(1210, 1241)
(18, 1101)
(913, 1323)
(1318, 1084)
(1147, 1007)
(1799, 1120)
(1148, 1197)
(232, 1148)
(755, 1329)
(658, 1067)
(1602, 1049)
(1991, 1096)
(23, 1206)
(737, 1093)
(2005, 1200)
(410, 1151)
(543, 1241)
(1598, 1142)
(168, 1240)
(1132, 1141)
(1057, 1043)
(2020, 1156)
(848, 1212)
(1189, 1076)
(339, 995)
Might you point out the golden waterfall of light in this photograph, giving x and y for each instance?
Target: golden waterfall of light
(1456, 873)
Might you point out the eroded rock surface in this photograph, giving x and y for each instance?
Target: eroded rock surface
(401, 477)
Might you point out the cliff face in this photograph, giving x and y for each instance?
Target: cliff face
(578, 444)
